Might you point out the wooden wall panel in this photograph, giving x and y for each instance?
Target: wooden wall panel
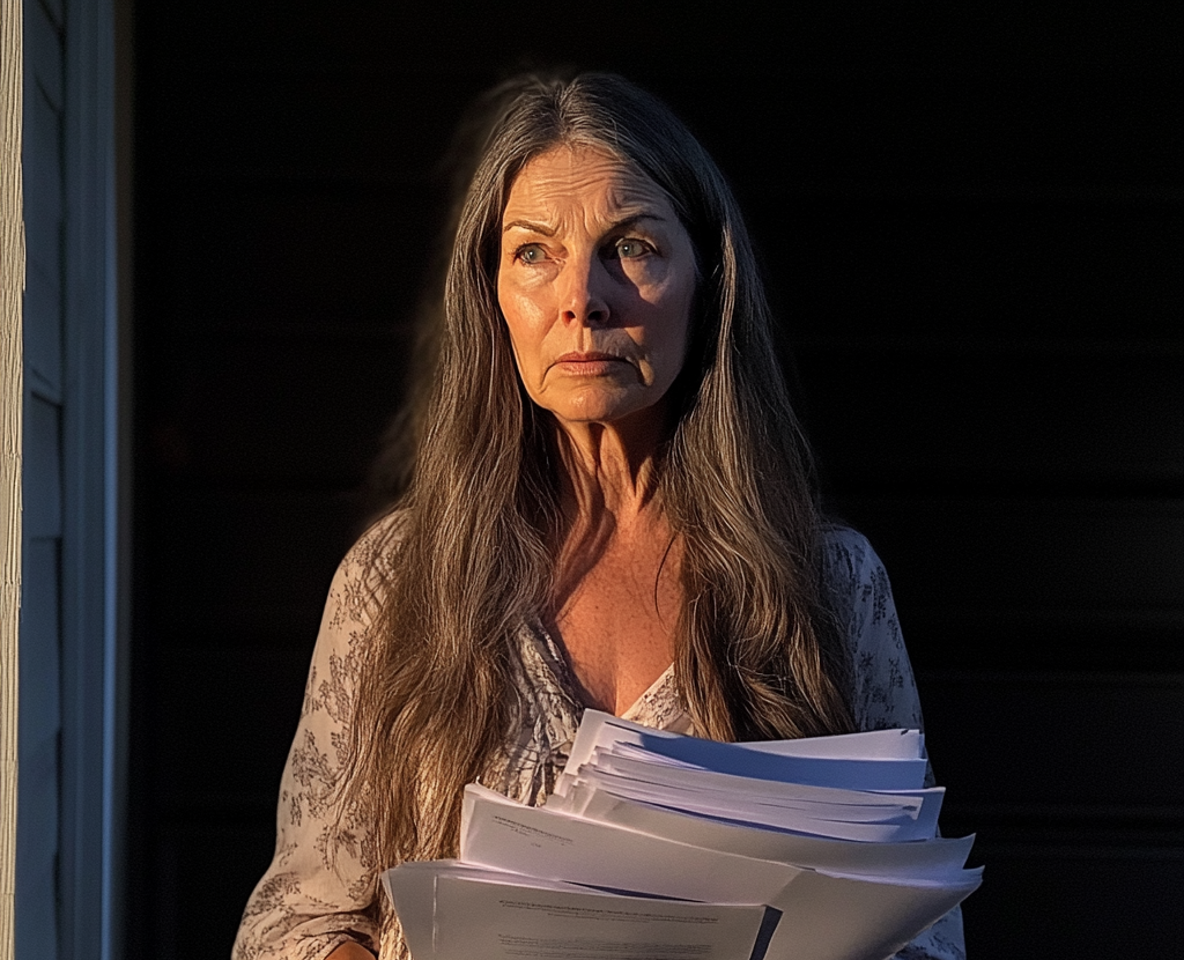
(249, 550)
(1113, 739)
(40, 753)
(54, 11)
(38, 854)
(43, 181)
(905, 266)
(42, 454)
(43, 56)
(325, 257)
(880, 128)
(43, 348)
(192, 860)
(1068, 583)
(347, 127)
(1063, 901)
(987, 264)
(989, 417)
(41, 717)
(1070, 553)
(216, 419)
(219, 744)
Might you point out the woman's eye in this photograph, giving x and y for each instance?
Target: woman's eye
(628, 249)
(530, 253)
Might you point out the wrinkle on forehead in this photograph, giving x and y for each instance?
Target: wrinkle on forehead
(547, 187)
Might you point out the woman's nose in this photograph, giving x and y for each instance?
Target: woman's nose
(584, 298)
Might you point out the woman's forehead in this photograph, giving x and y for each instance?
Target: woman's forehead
(585, 178)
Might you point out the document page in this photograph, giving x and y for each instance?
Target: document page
(487, 920)
(880, 744)
(534, 840)
(412, 889)
(940, 857)
(856, 774)
(848, 814)
(878, 772)
(633, 762)
(755, 814)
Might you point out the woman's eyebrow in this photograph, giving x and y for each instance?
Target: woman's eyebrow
(635, 218)
(527, 225)
(550, 231)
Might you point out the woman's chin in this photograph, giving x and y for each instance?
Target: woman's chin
(629, 411)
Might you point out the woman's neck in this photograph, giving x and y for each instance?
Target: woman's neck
(610, 471)
(617, 589)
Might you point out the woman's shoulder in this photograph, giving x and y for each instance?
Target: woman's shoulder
(850, 563)
(364, 573)
(855, 579)
(379, 541)
(353, 603)
(884, 693)
(373, 553)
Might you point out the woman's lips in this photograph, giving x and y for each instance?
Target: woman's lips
(591, 364)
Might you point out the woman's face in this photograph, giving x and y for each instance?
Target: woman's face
(596, 281)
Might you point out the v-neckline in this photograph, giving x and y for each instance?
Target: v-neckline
(660, 693)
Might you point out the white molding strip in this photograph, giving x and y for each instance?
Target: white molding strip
(12, 282)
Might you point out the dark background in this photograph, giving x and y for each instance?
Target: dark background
(970, 220)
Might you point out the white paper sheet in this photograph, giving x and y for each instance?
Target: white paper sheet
(640, 764)
(602, 730)
(855, 774)
(820, 820)
(412, 889)
(832, 918)
(938, 858)
(835, 917)
(729, 796)
(491, 917)
(537, 841)
(878, 744)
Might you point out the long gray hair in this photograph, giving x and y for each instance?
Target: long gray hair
(472, 549)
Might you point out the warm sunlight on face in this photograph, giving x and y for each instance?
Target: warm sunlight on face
(596, 281)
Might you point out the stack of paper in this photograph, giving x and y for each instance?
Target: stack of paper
(660, 846)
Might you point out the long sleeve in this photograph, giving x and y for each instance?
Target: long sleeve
(884, 692)
(320, 889)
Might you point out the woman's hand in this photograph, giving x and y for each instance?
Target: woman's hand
(350, 951)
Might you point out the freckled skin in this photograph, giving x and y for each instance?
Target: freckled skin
(596, 281)
(594, 261)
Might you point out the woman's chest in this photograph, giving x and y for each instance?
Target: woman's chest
(616, 624)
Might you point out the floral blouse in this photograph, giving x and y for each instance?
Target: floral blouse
(322, 889)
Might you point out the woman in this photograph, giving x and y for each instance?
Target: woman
(611, 506)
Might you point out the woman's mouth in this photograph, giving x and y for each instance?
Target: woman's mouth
(592, 363)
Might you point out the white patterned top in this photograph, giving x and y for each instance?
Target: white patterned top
(310, 901)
